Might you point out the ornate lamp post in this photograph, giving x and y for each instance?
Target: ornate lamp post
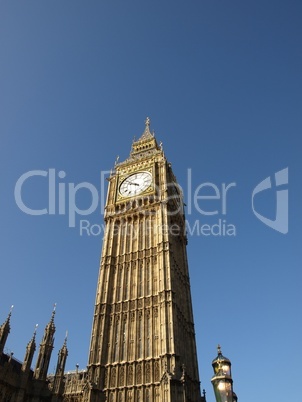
(222, 379)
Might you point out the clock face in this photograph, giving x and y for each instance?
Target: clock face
(135, 184)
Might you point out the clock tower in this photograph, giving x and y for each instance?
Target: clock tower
(143, 342)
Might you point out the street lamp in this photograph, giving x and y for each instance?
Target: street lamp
(222, 379)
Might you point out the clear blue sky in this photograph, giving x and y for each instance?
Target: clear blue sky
(221, 82)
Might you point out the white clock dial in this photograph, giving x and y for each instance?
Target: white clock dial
(135, 184)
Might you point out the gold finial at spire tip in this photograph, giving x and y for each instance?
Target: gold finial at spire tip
(147, 121)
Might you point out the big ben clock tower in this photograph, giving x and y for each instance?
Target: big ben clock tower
(143, 342)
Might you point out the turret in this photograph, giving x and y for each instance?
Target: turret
(46, 348)
(58, 384)
(29, 354)
(4, 331)
(222, 380)
(23, 382)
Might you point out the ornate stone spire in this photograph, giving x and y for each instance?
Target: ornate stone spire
(145, 145)
(64, 347)
(58, 384)
(52, 319)
(5, 330)
(46, 348)
(62, 356)
(33, 339)
(30, 350)
(147, 135)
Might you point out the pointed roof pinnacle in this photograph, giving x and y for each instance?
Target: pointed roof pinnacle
(35, 331)
(65, 340)
(32, 342)
(146, 134)
(64, 347)
(10, 312)
(53, 314)
(145, 146)
(7, 321)
(51, 323)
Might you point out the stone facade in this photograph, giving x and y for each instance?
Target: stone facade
(143, 342)
(18, 382)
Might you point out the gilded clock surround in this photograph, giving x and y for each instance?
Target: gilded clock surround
(122, 177)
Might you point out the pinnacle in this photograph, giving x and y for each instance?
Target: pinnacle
(7, 321)
(147, 133)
